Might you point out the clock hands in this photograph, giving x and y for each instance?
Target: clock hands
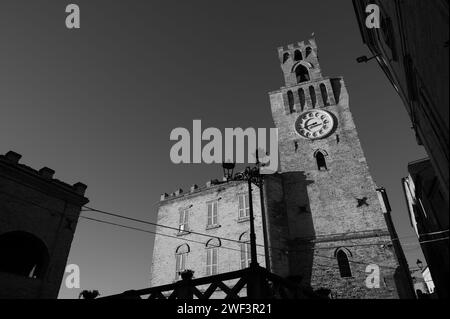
(312, 125)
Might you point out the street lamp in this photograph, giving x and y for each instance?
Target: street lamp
(228, 169)
(252, 176)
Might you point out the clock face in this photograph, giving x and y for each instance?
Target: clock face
(314, 124)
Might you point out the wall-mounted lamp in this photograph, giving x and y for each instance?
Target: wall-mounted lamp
(365, 59)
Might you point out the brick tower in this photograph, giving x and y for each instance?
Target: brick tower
(322, 206)
(38, 218)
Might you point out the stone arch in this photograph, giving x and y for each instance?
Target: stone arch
(325, 153)
(183, 249)
(244, 237)
(23, 254)
(213, 243)
(302, 73)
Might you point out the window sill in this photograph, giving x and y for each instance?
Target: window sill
(183, 233)
(209, 227)
(243, 219)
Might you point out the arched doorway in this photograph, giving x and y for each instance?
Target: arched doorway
(23, 254)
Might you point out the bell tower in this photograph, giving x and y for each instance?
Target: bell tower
(323, 206)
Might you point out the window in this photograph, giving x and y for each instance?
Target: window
(308, 51)
(298, 55)
(290, 96)
(184, 218)
(343, 263)
(321, 162)
(181, 259)
(244, 207)
(312, 94)
(301, 96)
(302, 74)
(212, 213)
(245, 251)
(211, 261)
(324, 92)
(212, 256)
(285, 57)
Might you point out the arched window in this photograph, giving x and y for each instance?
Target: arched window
(212, 256)
(308, 51)
(321, 162)
(343, 263)
(181, 259)
(285, 57)
(245, 250)
(290, 96)
(23, 254)
(301, 96)
(298, 55)
(302, 74)
(312, 94)
(324, 92)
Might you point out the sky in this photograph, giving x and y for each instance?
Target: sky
(97, 104)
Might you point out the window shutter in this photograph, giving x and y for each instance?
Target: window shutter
(214, 219)
(209, 214)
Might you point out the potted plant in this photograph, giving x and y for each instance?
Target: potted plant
(186, 274)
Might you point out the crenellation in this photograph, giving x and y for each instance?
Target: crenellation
(46, 173)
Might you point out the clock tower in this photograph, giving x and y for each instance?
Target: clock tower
(325, 224)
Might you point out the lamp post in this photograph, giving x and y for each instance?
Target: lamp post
(256, 286)
(252, 176)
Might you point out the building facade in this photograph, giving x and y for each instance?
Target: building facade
(220, 210)
(411, 47)
(38, 218)
(428, 213)
(323, 220)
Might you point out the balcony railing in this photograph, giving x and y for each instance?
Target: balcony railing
(257, 281)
